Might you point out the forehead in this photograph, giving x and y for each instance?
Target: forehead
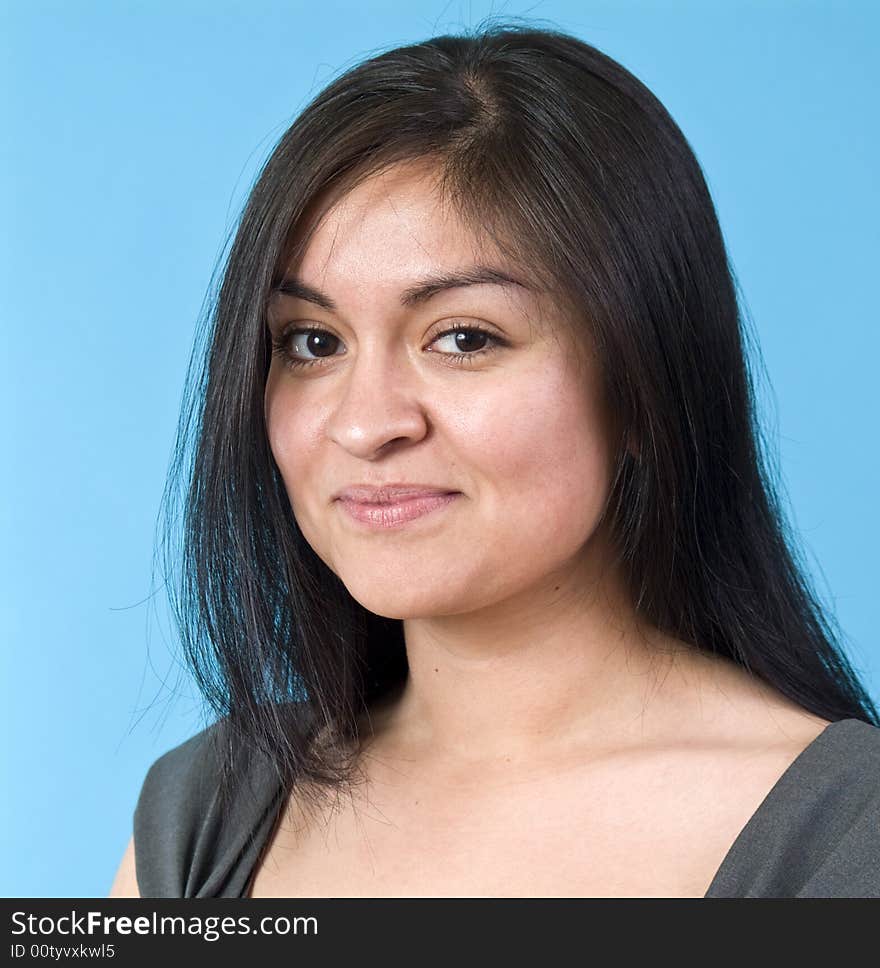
(395, 221)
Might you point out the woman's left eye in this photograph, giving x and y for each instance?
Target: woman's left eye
(464, 337)
(464, 344)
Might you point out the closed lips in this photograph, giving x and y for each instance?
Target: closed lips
(365, 494)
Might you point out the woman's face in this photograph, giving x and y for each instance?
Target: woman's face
(516, 428)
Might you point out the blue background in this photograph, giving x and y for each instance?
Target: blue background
(131, 134)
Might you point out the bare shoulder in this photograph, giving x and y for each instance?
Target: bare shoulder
(125, 883)
(738, 709)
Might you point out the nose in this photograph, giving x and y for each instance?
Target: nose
(378, 404)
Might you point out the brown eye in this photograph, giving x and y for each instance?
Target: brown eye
(470, 340)
(316, 342)
(305, 346)
(467, 344)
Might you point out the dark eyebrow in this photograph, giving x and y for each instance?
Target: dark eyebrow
(413, 295)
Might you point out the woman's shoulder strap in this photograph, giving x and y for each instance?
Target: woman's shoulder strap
(189, 841)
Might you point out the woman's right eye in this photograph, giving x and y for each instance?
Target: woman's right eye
(292, 342)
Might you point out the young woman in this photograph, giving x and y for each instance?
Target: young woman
(483, 571)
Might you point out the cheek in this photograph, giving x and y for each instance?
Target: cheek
(542, 453)
(293, 437)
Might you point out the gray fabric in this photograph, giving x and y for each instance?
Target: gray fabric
(186, 844)
(816, 834)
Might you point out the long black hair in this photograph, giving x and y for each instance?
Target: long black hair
(575, 169)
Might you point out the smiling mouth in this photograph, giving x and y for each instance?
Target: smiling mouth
(399, 512)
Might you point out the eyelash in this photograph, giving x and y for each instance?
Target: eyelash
(280, 345)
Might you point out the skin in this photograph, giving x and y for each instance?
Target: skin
(509, 592)
(533, 687)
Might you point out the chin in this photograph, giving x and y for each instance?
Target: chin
(395, 603)
(394, 606)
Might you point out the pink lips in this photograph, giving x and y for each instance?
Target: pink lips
(400, 505)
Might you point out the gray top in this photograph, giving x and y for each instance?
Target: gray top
(815, 834)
